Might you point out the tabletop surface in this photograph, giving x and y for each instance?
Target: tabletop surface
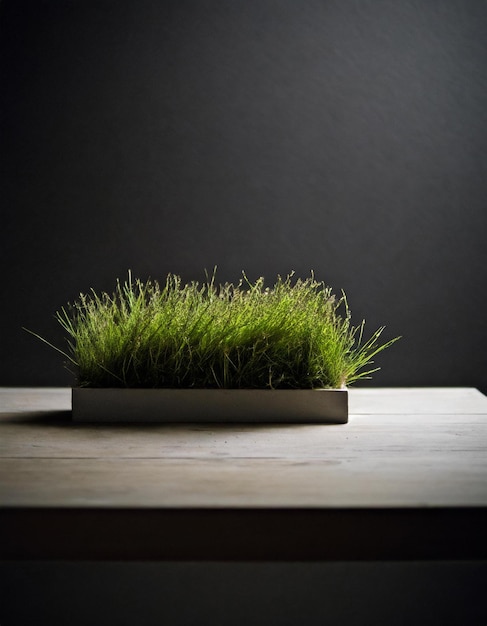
(403, 448)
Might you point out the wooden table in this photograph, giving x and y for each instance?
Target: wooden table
(405, 479)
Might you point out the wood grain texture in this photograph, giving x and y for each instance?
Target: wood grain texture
(403, 452)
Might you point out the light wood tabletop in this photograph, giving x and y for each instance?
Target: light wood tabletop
(406, 478)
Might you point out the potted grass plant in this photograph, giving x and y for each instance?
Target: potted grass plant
(211, 352)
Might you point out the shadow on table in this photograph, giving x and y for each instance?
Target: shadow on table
(63, 418)
(40, 417)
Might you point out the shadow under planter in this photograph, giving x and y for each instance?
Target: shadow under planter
(312, 406)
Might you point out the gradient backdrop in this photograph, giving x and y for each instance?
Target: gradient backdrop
(343, 136)
(340, 136)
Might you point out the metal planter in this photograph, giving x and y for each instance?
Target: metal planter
(303, 406)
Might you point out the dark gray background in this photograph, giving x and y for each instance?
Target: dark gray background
(342, 136)
(243, 594)
(345, 137)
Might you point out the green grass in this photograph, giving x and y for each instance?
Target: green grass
(294, 334)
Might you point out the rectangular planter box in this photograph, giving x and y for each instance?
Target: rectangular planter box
(312, 406)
